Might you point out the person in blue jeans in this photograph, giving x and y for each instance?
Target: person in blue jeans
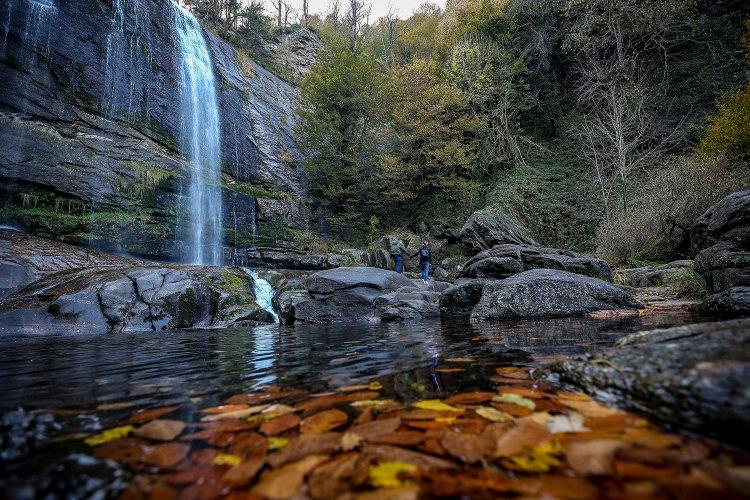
(397, 252)
(425, 259)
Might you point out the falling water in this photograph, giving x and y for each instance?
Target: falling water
(200, 140)
(263, 293)
(37, 26)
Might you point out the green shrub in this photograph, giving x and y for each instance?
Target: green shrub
(688, 283)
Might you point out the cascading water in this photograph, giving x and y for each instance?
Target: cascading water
(200, 140)
(37, 26)
(263, 292)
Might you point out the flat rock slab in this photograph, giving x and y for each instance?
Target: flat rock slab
(546, 293)
(694, 377)
(343, 278)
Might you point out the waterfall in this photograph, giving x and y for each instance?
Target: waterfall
(263, 292)
(200, 140)
(37, 25)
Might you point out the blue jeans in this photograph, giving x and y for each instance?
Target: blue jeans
(399, 259)
(425, 270)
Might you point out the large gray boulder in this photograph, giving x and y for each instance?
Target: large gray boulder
(546, 293)
(651, 275)
(346, 278)
(459, 300)
(487, 228)
(721, 240)
(733, 302)
(399, 306)
(506, 260)
(693, 377)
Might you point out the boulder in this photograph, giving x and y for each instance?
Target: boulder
(506, 260)
(399, 306)
(459, 300)
(486, 229)
(640, 277)
(288, 258)
(693, 377)
(721, 239)
(546, 293)
(729, 303)
(345, 278)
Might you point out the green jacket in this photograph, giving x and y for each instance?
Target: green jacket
(397, 247)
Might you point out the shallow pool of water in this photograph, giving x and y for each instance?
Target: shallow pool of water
(83, 371)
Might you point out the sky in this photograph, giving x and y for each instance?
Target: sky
(404, 8)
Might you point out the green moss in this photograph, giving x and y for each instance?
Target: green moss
(688, 283)
(154, 129)
(187, 309)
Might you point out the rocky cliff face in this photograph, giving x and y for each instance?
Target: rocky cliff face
(90, 128)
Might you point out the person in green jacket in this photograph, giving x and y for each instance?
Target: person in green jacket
(397, 252)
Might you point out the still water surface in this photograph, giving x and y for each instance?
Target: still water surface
(82, 371)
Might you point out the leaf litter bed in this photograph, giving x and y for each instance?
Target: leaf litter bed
(522, 439)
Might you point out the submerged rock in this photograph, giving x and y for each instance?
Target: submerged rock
(721, 239)
(545, 293)
(459, 300)
(693, 377)
(502, 261)
(486, 229)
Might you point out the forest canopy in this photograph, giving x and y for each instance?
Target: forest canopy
(604, 125)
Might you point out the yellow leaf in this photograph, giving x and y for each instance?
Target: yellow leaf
(540, 459)
(492, 414)
(385, 475)
(435, 405)
(515, 399)
(227, 459)
(274, 443)
(375, 386)
(109, 435)
(376, 403)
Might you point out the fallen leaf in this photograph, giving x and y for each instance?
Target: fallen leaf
(227, 459)
(572, 422)
(161, 430)
(525, 434)
(280, 424)
(637, 470)
(142, 416)
(460, 360)
(469, 448)
(378, 404)
(435, 405)
(541, 458)
(385, 474)
(514, 399)
(400, 438)
(525, 392)
(449, 370)
(492, 414)
(376, 428)
(277, 410)
(166, 456)
(335, 399)
(115, 406)
(250, 444)
(109, 435)
(651, 438)
(338, 475)
(262, 397)
(350, 441)
(126, 451)
(236, 414)
(306, 444)
(218, 410)
(285, 481)
(352, 388)
(592, 457)
(399, 493)
(323, 422)
(589, 409)
(396, 454)
(470, 398)
(513, 409)
(276, 443)
(375, 386)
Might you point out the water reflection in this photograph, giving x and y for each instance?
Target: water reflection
(86, 370)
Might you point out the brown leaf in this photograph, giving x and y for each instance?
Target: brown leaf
(126, 451)
(306, 444)
(524, 392)
(338, 475)
(469, 448)
(400, 438)
(323, 422)
(250, 444)
(115, 406)
(469, 483)
(201, 491)
(285, 481)
(262, 397)
(241, 474)
(366, 416)
(281, 424)
(425, 414)
(396, 454)
(589, 409)
(651, 438)
(523, 435)
(637, 470)
(549, 486)
(400, 493)
(469, 398)
(376, 428)
(593, 457)
(352, 388)
(336, 399)
(142, 416)
(161, 430)
(433, 446)
(200, 474)
(234, 414)
(513, 409)
(217, 410)
(166, 456)
(449, 370)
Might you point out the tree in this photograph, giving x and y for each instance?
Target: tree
(356, 19)
(343, 109)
